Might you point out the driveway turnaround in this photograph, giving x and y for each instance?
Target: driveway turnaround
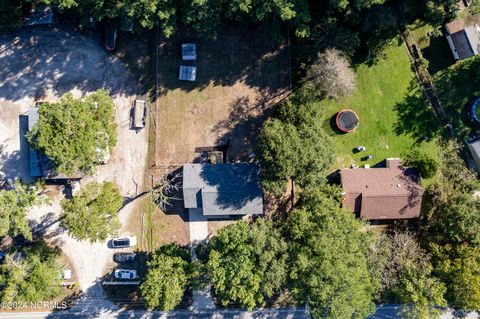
(42, 65)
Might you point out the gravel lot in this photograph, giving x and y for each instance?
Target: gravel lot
(42, 65)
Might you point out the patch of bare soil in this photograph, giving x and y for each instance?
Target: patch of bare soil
(241, 76)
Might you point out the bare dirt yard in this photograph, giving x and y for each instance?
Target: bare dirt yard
(241, 76)
(42, 65)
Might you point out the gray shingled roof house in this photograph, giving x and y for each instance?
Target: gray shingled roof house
(223, 189)
(463, 37)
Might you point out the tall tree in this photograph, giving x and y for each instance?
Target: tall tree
(206, 16)
(247, 263)
(75, 134)
(452, 209)
(294, 146)
(408, 275)
(14, 205)
(331, 74)
(93, 213)
(459, 268)
(451, 228)
(329, 267)
(425, 163)
(31, 275)
(167, 277)
(150, 13)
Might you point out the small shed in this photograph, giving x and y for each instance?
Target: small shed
(189, 52)
(474, 148)
(463, 36)
(187, 73)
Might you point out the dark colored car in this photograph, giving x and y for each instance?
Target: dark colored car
(124, 257)
(110, 36)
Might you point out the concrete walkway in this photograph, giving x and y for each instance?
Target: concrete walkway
(198, 224)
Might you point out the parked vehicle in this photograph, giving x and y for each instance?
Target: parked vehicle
(41, 16)
(124, 242)
(139, 113)
(125, 273)
(124, 257)
(110, 36)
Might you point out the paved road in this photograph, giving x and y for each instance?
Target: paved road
(91, 312)
(141, 314)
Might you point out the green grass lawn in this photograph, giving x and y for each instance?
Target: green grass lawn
(386, 102)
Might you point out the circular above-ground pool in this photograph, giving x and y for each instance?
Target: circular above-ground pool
(475, 111)
(347, 120)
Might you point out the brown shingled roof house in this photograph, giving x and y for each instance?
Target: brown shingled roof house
(390, 192)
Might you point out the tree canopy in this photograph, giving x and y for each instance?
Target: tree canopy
(92, 214)
(410, 278)
(14, 205)
(452, 210)
(294, 145)
(329, 267)
(31, 275)
(167, 277)
(451, 229)
(426, 164)
(247, 263)
(331, 74)
(74, 133)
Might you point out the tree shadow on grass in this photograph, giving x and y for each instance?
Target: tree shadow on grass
(456, 87)
(244, 123)
(416, 117)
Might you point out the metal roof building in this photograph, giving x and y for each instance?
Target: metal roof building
(474, 148)
(187, 73)
(189, 51)
(223, 189)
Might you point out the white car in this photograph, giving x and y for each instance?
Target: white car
(125, 273)
(129, 241)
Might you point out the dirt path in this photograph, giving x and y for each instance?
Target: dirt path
(43, 65)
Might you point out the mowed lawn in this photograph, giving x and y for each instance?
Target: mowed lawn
(380, 89)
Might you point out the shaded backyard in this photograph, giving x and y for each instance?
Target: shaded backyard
(240, 76)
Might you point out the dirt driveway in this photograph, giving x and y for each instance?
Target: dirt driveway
(38, 64)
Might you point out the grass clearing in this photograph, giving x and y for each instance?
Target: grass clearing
(386, 129)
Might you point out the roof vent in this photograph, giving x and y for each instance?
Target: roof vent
(398, 185)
